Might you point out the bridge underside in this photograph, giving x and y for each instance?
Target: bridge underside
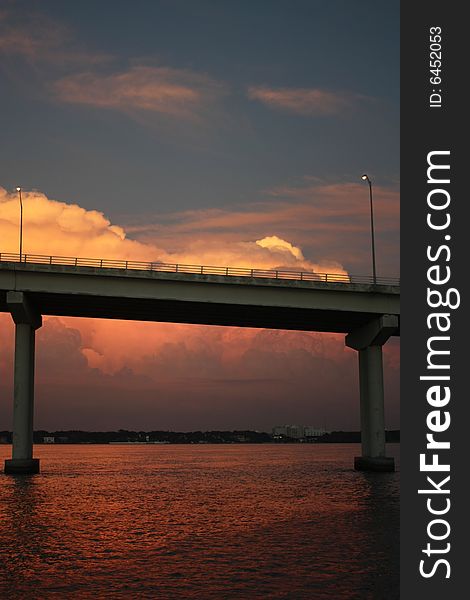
(368, 315)
(202, 313)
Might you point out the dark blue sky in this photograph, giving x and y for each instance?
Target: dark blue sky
(134, 160)
(218, 133)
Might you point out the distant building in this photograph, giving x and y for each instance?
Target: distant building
(48, 439)
(297, 432)
(310, 431)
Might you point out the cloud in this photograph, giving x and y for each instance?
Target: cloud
(314, 226)
(329, 221)
(58, 228)
(304, 101)
(94, 374)
(54, 227)
(143, 92)
(39, 39)
(33, 41)
(176, 93)
(108, 374)
(48, 47)
(276, 244)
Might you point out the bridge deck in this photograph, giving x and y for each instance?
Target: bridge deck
(252, 298)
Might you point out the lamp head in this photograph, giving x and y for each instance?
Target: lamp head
(18, 189)
(365, 177)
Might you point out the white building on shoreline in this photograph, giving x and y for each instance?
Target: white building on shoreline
(297, 432)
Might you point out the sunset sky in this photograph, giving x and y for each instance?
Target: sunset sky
(224, 133)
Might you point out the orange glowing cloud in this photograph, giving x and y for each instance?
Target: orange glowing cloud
(98, 374)
(329, 221)
(157, 375)
(53, 227)
(304, 101)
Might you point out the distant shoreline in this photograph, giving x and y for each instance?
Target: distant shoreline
(131, 438)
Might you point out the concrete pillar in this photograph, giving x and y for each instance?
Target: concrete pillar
(372, 401)
(368, 341)
(27, 320)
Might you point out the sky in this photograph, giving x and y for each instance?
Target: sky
(202, 132)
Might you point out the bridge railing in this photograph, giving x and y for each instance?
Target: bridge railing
(127, 265)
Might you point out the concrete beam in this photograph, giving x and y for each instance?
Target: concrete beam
(204, 299)
(22, 310)
(374, 333)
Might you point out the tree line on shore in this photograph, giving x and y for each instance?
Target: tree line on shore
(188, 437)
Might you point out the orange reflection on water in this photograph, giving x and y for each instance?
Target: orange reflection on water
(232, 521)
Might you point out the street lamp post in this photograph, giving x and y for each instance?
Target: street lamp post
(18, 189)
(374, 274)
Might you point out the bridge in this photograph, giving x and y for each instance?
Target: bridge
(366, 311)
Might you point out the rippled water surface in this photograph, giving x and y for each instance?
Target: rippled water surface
(199, 521)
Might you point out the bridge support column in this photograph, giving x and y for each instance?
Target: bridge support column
(27, 320)
(368, 341)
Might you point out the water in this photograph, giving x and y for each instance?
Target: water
(199, 521)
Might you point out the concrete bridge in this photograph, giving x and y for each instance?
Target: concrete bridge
(367, 312)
